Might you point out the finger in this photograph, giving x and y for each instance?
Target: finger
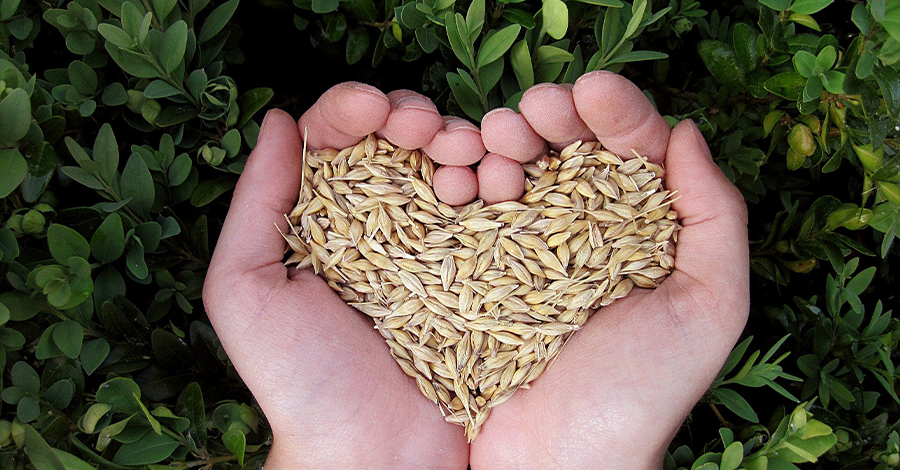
(413, 120)
(500, 179)
(266, 190)
(458, 143)
(712, 251)
(343, 115)
(550, 110)
(506, 132)
(620, 115)
(455, 185)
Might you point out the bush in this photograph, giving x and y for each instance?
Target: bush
(124, 126)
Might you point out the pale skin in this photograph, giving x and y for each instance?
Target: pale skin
(617, 393)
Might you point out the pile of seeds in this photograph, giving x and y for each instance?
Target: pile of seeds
(475, 301)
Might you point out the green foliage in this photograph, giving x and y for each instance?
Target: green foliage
(124, 126)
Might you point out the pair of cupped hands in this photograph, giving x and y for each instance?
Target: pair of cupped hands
(617, 393)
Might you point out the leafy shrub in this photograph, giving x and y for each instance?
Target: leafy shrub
(124, 126)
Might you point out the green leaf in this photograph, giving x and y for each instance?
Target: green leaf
(176, 114)
(68, 337)
(60, 394)
(135, 261)
(427, 39)
(137, 184)
(364, 10)
(82, 177)
(497, 44)
(132, 63)
(826, 58)
(15, 168)
(39, 452)
(324, 6)
(160, 89)
(217, 20)
(8, 9)
(80, 42)
(777, 5)
(236, 442)
(21, 307)
(15, 116)
(25, 377)
(252, 101)
(456, 30)
(608, 33)
(65, 243)
(787, 85)
(173, 46)
(637, 16)
(117, 36)
(108, 241)
(636, 56)
(467, 99)
(191, 405)
(28, 409)
(114, 95)
(123, 394)
(603, 3)
(519, 17)
(475, 19)
(732, 457)
(861, 281)
(93, 353)
(72, 462)
(209, 190)
(83, 77)
(520, 58)
(180, 169)
(813, 89)
(152, 448)
(808, 7)
(556, 18)
(162, 8)
(357, 44)
(804, 62)
(106, 154)
(833, 81)
(721, 61)
(736, 403)
(805, 20)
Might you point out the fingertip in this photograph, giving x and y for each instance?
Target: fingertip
(354, 108)
(277, 129)
(619, 114)
(458, 143)
(690, 169)
(455, 185)
(550, 111)
(507, 133)
(319, 134)
(413, 120)
(500, 179)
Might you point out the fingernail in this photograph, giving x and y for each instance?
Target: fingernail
(265, 120)
(416, 102)
(701, 141)
(456, 124)
(367, 88)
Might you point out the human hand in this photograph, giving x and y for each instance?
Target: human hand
(258, 283)
(622, 386)
(322, 375)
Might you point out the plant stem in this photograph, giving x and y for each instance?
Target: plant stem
(719, 415)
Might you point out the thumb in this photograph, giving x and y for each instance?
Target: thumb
(712, 263)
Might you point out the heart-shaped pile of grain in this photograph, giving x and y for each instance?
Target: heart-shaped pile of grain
(475, 301)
